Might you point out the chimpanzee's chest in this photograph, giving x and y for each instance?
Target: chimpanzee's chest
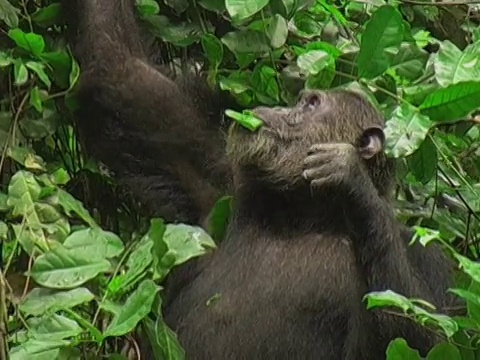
(277, 296)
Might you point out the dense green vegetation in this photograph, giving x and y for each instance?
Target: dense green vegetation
(417, 61)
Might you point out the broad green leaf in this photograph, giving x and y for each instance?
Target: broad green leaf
(453, 102)
(277, 31)
(246, 41)
(39, 69)
(5, 59)
(26, 157)
(3, 231)
(384, 30)
(242, 9)
(20, 73)
(453, 66)
(187, 242)
(42, 301)
(71, 205)
(264, 78)
(398, 349)
(163, 340)
(245, 119)
(180, 34)
(444, 351)
(38, 349)
(40, 127)
(314, 61)
(423, 162)
(387, 298)
(219, 217)
(48, 15)
(469, 267)
(23, 192)
(410, 61)
(31, 42)
(139, 260)
(53, 327)
(213, 49)
(163, 258)
(35, 99)
(405, 131)
(9, 13)
(94, 243)
(471, 295)
(61, 268)
(137, 306)
(147, 7)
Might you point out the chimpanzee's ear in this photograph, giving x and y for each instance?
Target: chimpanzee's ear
(371, 142)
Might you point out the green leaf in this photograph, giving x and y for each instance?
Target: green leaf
(246, 41)
(187, 242)
(38, 349)
(35, 99)
(31, 42)
(39, 69)
(444, 351)
(314, 61)
(213, 49)
(74, 74)
(219, 217)
(245, 119)
(242, 9)
(398, 349)
(48, 15)
(9, 13)
(410, 62)
(383, 31)
(139, 260)
(453, 66)
(41, 301)
(26, 157)
(264, 78)
(213, 5)
(23, 191)
(277, 31)
(453, 102)
(61, 268)
(387, 298)
(53, 327)
(147, 7)
(163, 340)
(423, 162)
(71, 205)
(20, 73)
(94, 243)
(405, 131)
(137, 306)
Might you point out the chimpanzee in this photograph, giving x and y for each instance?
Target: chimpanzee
(313, 228)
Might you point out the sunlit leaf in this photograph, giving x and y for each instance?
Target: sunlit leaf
(405, 131)
(453, 65)
(242, 9)
(31, 42)
(453, 102)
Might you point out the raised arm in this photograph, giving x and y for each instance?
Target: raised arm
(154, 133)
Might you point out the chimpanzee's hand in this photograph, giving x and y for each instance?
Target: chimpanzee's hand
(336, 166)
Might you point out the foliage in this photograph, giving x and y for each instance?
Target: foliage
(417, 62)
